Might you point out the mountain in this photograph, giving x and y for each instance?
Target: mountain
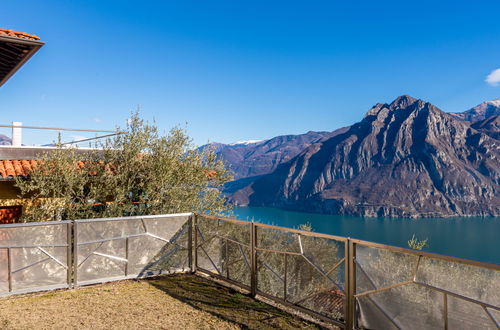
(480, 112)
(253, 158)
(404, 159)
(490, 126)
(5, 140)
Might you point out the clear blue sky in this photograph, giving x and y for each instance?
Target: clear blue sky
(237, 70)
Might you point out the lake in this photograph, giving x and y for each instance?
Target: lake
(471, 238)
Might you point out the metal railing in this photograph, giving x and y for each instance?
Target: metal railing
(113, 249)
(35, 257)
(43, 256)
(347, 282)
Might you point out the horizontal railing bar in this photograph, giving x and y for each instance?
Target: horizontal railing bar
(136, 217)
(277, 251)
(32, 246)
(427, 254)
(34, 224)
(303, 232)
(35, 289)
(458, 296)
(64, 129)
(385, 288)
(217, 218)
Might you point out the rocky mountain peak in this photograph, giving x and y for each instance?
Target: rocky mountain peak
(479, 112)
(406, 158)
(403, 101)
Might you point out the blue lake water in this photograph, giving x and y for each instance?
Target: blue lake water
(471, 238)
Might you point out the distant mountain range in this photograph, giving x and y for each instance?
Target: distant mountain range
(252, 158)
(406, 158)
(480, 112)
(5, 140)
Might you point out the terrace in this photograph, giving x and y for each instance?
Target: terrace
(335, 281)
(179, 301)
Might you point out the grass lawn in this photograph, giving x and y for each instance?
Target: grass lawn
(169, 302)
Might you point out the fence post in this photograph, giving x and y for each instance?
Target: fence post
(9, 268)
(126, 256)
(253, 256)
(69, 254)
(351, 285)
(75, 253)
(347, 284)
(194, 227)
(190, 242)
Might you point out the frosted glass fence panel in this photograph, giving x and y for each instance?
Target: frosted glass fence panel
(302, 268)
(407, 289)
(34, 257)
(223, 248)
(110, 249)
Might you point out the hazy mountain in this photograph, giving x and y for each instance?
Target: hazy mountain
(251, 158)
(407, 158)
(5, 140)
(480, 112)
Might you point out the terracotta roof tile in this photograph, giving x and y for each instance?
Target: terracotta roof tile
(15, 34)
(13, 168)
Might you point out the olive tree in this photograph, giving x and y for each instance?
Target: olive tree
(136, 173)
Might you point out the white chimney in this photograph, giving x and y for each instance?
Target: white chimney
(17, 134)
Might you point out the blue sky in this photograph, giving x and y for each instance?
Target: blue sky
(238, 70)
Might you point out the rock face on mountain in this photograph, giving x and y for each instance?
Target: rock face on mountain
(480, 112)
(490, 126)
(404, 159)
(248, 159)
(5, 140)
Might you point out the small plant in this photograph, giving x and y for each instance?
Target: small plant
(306, 226)
(416, 244)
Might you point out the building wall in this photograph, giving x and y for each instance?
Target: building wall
(10, 204)
(8, 190)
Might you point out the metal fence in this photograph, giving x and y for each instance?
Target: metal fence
(54, 255)
(120, 248)
(34, 257)
(396, 288)
(348, 282)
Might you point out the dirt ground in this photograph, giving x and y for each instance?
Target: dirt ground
(170, 302)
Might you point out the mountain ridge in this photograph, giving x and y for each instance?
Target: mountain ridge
(407, 158)
(481, 111)
(262, 157)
